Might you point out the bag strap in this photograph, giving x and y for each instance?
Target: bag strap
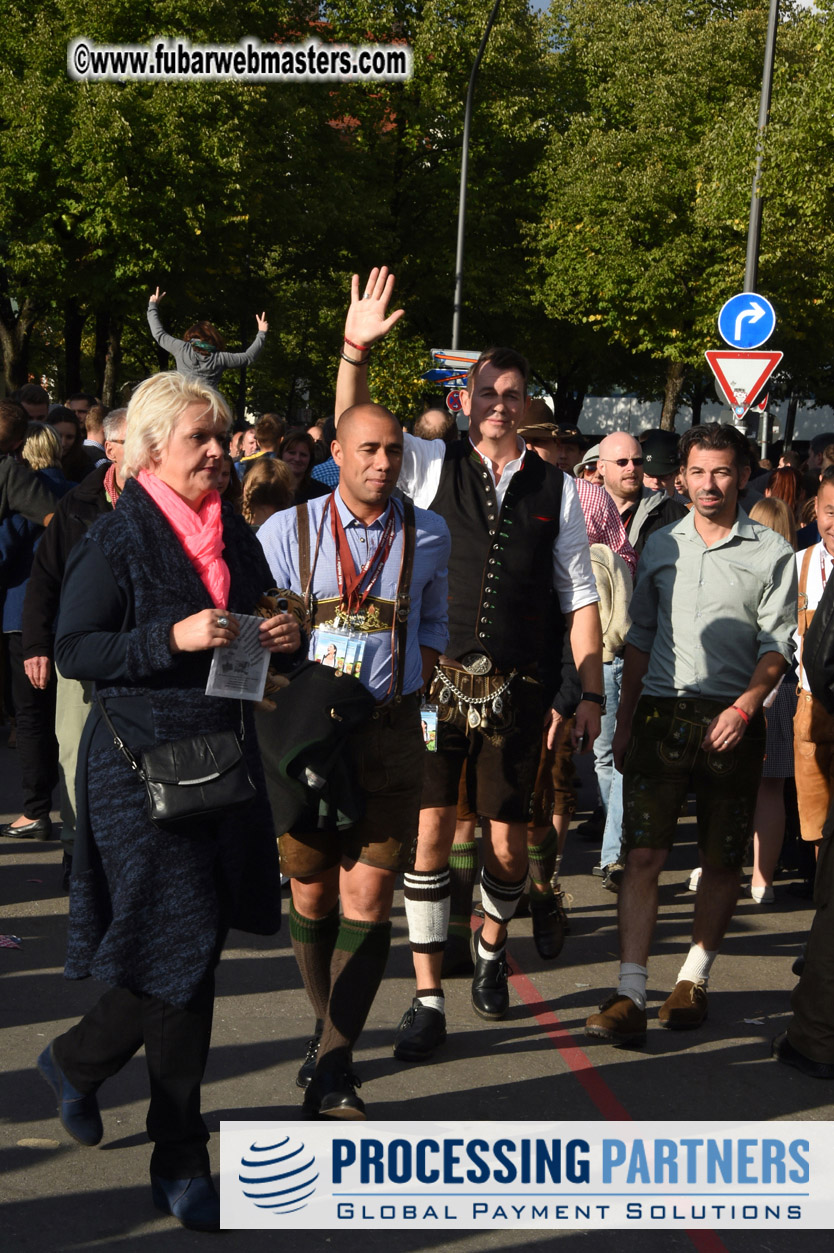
(305, 578)
(402, 607)
(119, 742)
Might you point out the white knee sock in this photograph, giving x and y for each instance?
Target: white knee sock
(697, 966)
(426, 897)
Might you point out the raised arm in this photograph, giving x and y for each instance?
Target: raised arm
(367, 322)
(236, 360)
(166, 341)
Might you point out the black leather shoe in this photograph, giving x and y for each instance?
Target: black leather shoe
(490, 994)
(39, 829)
(332, 1093)
(79, 1113)
(548, 928)
(307, 1068)
(457, 960)
(420, 1032)
(194, 1202)
(784, 1051)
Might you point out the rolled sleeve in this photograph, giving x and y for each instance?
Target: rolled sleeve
(573, 577)
(421, 468)
(777, 609)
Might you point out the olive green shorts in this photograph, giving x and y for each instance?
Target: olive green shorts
(665, 761)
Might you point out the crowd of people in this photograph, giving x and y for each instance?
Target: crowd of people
(488, 603)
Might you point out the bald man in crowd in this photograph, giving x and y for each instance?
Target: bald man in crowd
(642, 512)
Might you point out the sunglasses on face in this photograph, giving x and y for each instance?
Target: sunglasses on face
(622, 462)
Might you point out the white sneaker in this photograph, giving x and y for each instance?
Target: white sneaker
(694, 879)
(762, 896)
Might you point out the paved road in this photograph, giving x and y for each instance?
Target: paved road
(534, 1065)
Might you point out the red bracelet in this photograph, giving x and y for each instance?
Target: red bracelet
(358, 347)
(742, 714)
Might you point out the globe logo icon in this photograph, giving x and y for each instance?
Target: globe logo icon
(278, 1176)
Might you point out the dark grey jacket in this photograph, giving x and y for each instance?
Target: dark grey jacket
(207, 367)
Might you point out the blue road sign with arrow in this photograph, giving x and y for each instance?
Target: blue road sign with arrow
(746, 321)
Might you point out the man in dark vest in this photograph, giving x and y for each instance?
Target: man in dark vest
(517, 533)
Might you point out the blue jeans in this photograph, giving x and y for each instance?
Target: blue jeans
(612, 673)
(610, 780)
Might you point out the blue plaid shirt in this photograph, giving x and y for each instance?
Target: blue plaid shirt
(427, 623)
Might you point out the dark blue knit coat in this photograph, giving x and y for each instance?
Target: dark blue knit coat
(147, 908)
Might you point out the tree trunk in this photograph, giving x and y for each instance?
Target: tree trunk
(675, 372)
(112, 364)
(74, 321)
(100, 353)
(15, 330)
(567, 404)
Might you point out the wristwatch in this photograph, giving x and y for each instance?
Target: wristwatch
(594, 698)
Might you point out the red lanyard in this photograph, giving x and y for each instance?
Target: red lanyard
(351, 598)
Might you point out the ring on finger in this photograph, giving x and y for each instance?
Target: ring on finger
(222, 621)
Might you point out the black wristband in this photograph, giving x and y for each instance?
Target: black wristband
(595, 698)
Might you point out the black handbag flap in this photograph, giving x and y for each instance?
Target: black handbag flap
(192, 762)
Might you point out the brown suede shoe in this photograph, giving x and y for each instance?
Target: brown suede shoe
(685, 1008)
(619, 1020)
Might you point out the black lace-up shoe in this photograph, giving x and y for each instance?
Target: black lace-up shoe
(332, 1092)
(307, 1068)
(490, 994)
(420, 1032)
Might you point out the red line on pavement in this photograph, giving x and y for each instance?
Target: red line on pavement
(577, 1060)
(590, 1078)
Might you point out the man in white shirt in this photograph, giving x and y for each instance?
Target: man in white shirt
(518, 536)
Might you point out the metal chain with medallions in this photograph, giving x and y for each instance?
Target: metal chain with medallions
(472, 707)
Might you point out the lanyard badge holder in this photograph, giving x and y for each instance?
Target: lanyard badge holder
(428, 721)
(340, 649)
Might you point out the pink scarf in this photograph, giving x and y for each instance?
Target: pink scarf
(199, 531)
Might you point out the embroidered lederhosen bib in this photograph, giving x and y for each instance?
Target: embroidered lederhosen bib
(378, 614)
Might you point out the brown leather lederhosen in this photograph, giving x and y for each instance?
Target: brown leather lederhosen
(388, 751)
(813, 733)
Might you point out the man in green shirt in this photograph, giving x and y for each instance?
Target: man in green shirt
(713, 615)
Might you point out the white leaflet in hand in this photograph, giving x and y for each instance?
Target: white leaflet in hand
(239, 670)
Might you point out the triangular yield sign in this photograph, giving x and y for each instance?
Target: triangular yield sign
(741, 375)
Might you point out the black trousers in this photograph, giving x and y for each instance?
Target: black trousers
(37, 747)
(811, 1029)
(176, 1044)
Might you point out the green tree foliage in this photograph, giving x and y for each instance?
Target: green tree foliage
(611, 158)
(645, 226)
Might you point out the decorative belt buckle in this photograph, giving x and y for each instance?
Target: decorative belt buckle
(476, 663)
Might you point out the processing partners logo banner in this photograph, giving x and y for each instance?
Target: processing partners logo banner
(531, 1176)
(278, 1174)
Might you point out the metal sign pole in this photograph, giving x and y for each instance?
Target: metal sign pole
(751, 271)
(464, 170)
